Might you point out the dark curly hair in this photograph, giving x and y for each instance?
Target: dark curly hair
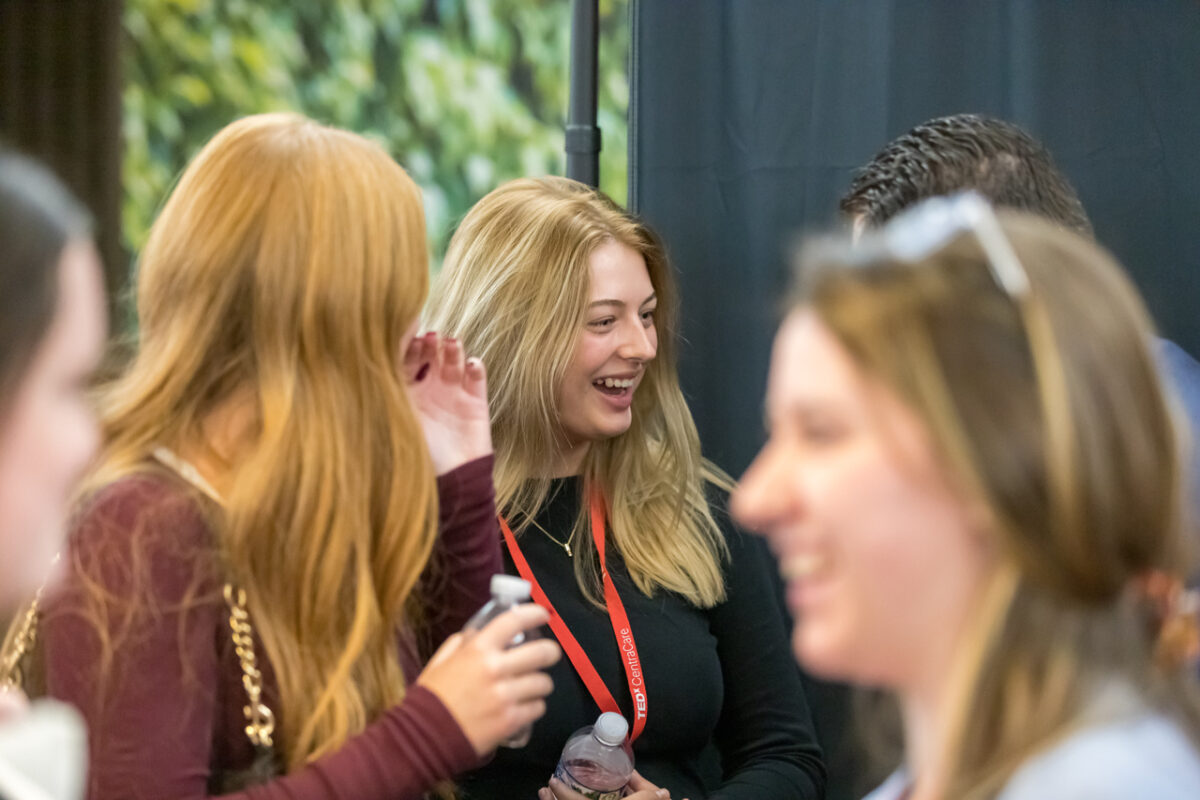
(965, 151)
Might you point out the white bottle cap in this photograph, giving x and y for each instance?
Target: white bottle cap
(510, 587)
(611, 728)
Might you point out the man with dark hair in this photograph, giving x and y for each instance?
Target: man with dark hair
(1012, 170)
(964, 151)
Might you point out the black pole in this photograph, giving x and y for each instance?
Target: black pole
(583, 135)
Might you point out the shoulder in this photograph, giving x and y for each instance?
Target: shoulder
(146, 526)
(1143, 756)
(147, 502)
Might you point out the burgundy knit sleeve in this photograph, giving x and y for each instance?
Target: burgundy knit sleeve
(150, 698)
(467, 553)
(401, 755)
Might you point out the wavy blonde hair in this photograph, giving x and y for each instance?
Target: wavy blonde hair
(1050, 411)
(289, 261)
(514, 287)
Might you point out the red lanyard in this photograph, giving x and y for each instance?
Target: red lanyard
(616, 613)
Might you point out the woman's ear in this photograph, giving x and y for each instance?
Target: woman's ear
(232, 427)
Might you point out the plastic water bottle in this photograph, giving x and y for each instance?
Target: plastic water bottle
(597, 761)
(507, 591)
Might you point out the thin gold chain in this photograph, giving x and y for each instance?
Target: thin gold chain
(566, 546)
(260, 720)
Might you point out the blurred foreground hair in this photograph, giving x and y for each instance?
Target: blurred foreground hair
(1047, 408)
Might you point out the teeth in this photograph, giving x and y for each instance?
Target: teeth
(803, 566)
(614, 383)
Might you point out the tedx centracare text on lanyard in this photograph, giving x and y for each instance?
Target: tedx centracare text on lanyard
(616, 614)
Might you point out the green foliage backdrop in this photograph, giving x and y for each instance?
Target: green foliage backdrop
(464, 93)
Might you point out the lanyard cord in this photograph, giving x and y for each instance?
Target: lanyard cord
(616, 614)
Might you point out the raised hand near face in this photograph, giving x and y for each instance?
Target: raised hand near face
(449, 394)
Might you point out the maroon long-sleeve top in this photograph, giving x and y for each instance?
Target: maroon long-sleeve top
(166, 714)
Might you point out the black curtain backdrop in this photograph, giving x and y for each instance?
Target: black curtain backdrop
(60, 101)
(748, 117)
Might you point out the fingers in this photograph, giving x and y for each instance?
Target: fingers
(451, 361)
(639, 787)
(557, 790)
(529, 712)
(638, 783)
(530, 687)
(536, 655)
(412, 358)
(423, 352)
(476, 378)
(430, 353)
(504, 628)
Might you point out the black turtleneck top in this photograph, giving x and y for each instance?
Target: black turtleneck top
(727, 717)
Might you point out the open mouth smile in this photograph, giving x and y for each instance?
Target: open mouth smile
(615, 387)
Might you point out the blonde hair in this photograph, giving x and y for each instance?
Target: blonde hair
(1048, 409)
(289, 261)
(514, 287)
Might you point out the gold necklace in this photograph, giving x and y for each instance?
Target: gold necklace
(564, 545)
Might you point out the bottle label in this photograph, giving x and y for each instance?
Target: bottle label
(564, 774)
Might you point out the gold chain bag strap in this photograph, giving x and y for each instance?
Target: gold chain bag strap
(18, 647)
(260, 720)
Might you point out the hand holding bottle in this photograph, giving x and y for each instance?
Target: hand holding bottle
(491, 688)
(597, 764)
(639, 789)
(508, 592)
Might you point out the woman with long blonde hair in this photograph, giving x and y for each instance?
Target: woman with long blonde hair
(974, 485)
(667, 613)
(247, 591)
